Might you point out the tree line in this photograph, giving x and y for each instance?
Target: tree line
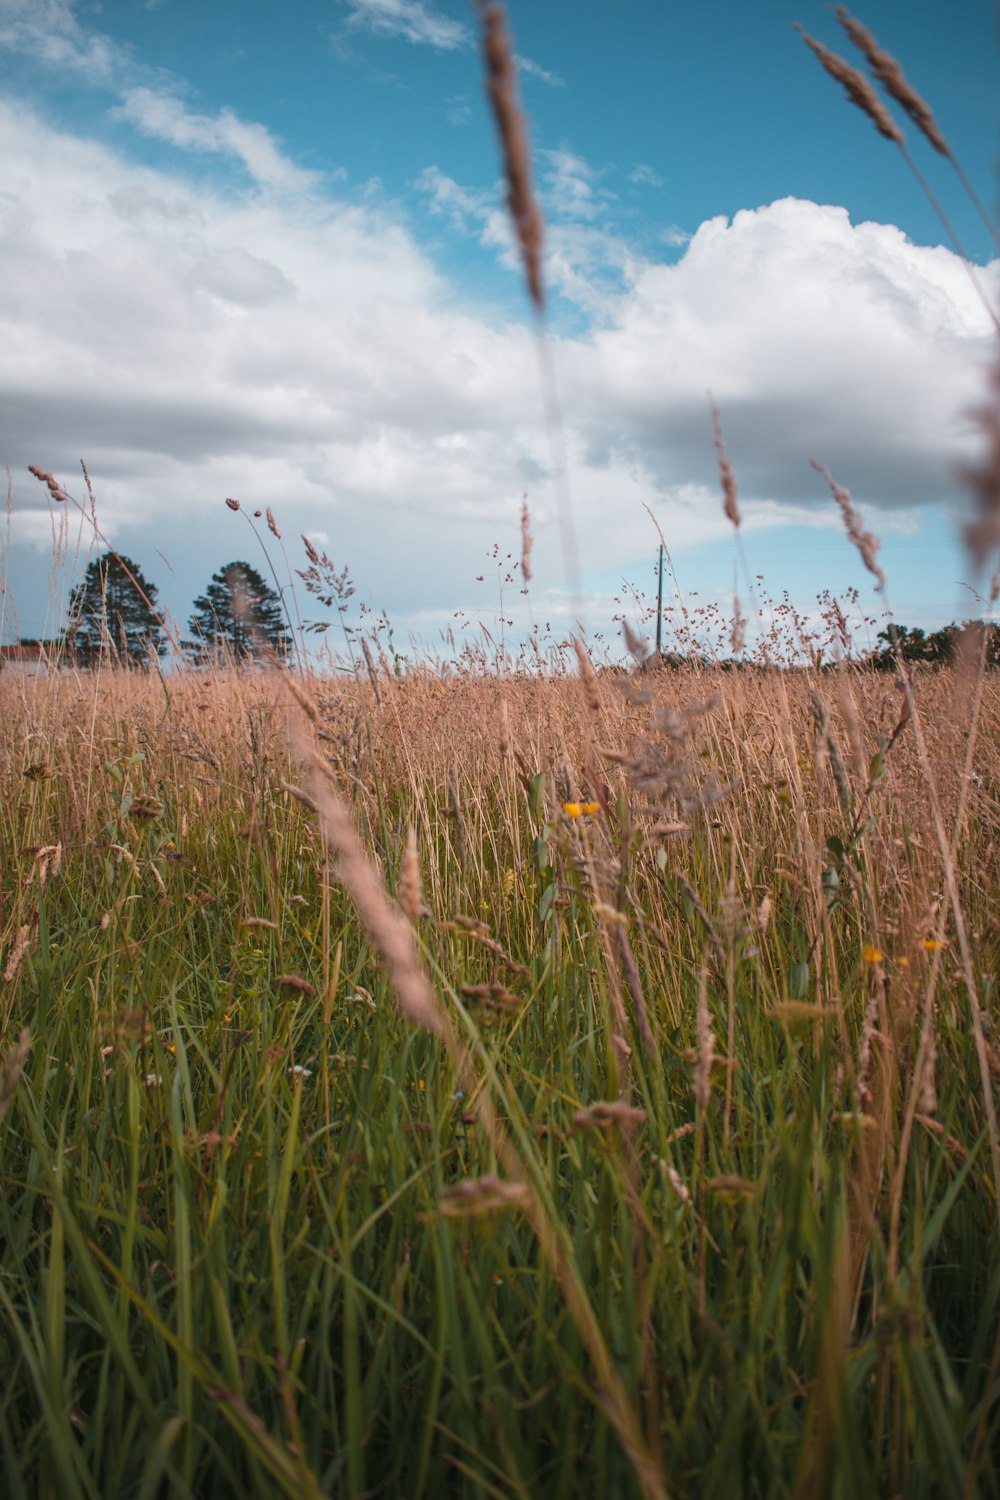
(113, 614)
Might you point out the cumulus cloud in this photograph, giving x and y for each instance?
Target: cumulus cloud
(816, 337)
(300, 349)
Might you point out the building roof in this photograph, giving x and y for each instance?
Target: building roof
(35, 651)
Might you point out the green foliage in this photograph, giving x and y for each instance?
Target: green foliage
(940, 647)
(112, 614)
(240, 613)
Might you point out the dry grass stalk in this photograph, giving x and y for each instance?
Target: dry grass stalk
(610, 1113)
(493, 996)
(408, 892)
(501, 87)
(634, 984)
(706, 1047)
(588, 677)
(727, 478)
(12, 1069)
(527, 542)
(865, 1051)
(738, 635)
(272, 525)
(387, 928)
(16, 954)
(892, 78)
(866, 543)
(504, 741)
(859, 90)
(928, 1087)
(982, 536)
(482, 1195)
(294, 982)
(372, 670)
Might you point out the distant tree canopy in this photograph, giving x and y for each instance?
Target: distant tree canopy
(238, 612)
(112, 614)
(940, 646)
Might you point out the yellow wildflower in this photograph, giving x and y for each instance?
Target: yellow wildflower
(590, 808)
(572, 809)
(872, 955)
(933, 945)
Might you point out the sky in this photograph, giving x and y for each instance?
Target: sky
(262, 252)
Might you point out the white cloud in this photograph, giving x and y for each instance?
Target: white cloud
(409, 19)
(48, 31)
(300, 350)
(165, 117)
(535, 70)
(816, 337)
(422, 24)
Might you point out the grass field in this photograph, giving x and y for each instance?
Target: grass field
(613, 1115)
(452, 1081)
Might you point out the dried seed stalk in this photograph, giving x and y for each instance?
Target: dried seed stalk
(866, 543)
(501, 86)
(408, 892)
(527, 542)
(726, 476)
(859, 90)
(892, 78)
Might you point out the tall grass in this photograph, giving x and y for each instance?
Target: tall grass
(256, 1235)
(471, 1080)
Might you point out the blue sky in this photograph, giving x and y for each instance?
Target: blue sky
(261, 251)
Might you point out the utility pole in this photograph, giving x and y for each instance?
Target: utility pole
(659, 609)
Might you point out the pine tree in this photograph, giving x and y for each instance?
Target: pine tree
(112, 614)
(240, 613)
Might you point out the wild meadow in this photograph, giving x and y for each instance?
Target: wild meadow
(592, 1092)
(490, 1077)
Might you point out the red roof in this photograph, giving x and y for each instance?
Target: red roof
(22, 653)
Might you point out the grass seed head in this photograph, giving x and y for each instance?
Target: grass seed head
(859, 90)
(501, 86)
(408, 891)
(16, 955)
(866, 543)
(892, 78)
(527, 542)
(727, 478)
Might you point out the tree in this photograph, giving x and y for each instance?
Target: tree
(238, 612)
(942, 647)
(112, 613)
